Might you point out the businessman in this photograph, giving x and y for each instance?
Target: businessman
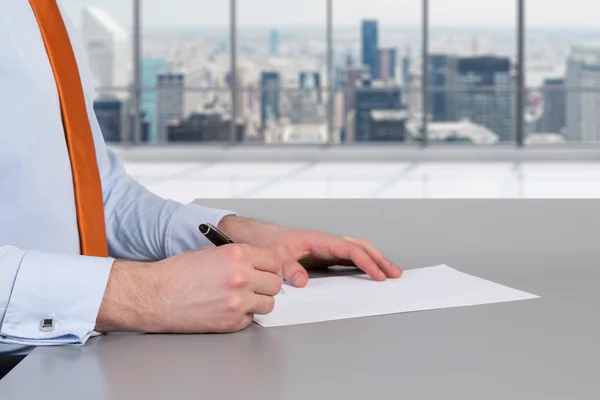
(71, 219)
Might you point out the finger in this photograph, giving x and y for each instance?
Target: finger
(388, 268)
(295, 273)
(349, 251)
(261, 305)
(265, 260)
(266, 283)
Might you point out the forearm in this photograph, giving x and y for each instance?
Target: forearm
(131, 300)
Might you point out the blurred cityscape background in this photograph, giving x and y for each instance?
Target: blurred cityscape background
(341, 72)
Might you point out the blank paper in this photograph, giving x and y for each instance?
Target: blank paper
(335, 298)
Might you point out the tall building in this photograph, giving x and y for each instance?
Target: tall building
(370, 47)
(353, 77)
(107, 49)
(583, 107)
(110, 115)
(388, 61)
(406, 65)
(553, 119)
(443, 80)
(151, 67)
(170, 90)
(312, 81)
(270, 108)
(274, 43)
(475, 88)
(370, 96)
(489, 101)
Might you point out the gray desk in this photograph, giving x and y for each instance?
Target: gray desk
(535, 350)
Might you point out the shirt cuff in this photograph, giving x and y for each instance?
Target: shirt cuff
(68, 289)
(183, 233)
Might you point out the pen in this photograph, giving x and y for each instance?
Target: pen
(217, 237)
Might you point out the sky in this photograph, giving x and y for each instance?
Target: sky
(396, 13)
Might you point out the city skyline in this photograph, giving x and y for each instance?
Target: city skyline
(277, 13)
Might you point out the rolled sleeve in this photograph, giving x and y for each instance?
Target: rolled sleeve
(183, 233)
(69, 289)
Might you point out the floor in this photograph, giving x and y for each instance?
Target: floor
(185, 182)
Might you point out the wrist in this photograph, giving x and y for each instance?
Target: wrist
(131, 298)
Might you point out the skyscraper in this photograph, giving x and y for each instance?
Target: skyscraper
(270, 108)
(312, 81)
(388, 60)
(151, 67)
(485, 97)
(107, 48)
(274, 43)
(109, 113)
(583, 107)
(475, 88)
(406, 65)
(351, 80)
(553, 119)
(443, 78)
(370, 96)
(170, 86)
(370, 47)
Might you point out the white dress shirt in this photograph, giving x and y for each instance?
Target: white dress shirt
(42, 274)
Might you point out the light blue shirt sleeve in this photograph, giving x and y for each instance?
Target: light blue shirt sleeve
(35, 286)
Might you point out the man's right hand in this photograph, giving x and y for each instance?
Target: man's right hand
(212, 290)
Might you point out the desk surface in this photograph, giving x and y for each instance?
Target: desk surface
(535, 350)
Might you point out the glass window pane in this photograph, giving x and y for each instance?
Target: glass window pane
(377, 52)
(563, 72)
(472, 96)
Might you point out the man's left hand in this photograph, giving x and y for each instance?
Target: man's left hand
(305, 249)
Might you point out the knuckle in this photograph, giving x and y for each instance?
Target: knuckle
(237, 280)
(236, 252)
(235, 304)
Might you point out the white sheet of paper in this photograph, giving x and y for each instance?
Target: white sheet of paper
(335, 298)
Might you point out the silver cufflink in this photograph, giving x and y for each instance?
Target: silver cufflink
(47, 324)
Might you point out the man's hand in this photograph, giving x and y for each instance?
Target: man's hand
(214, 290)
(301, 249)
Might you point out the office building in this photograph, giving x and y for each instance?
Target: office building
(151, 67)
(170, 88)
(553, 119)
(406, 65)
(476, 88)
(270, 108)
(370, 47)
(107, 48)
(489, 100)
(388, 125)
(205, 126)
(388, 60)
(443, 82)
(373, 95)
(583, 107)
(311, 81)
(305, 109)
(353, 76)
(274, 43)
(109, 113)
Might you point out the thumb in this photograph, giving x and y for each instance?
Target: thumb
(295, 273)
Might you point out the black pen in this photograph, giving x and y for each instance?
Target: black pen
(217, 237)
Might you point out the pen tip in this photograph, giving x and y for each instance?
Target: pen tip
(204, 229)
